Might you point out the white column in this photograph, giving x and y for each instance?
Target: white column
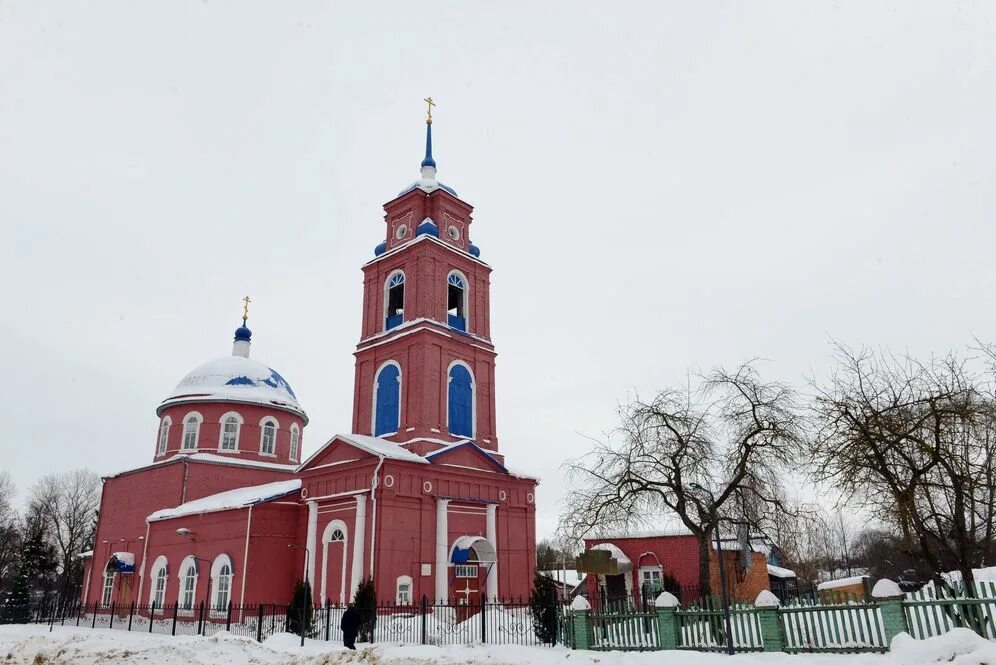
(311, 544)
(359, 530)
(442, 548)
(492, 535)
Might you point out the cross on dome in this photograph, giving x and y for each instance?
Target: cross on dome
(243, 336)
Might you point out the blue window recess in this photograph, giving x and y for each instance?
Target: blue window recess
(395, 301)
(456, 302)
(461, 401)
(388, 400)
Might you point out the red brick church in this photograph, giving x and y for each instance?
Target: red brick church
(417, 497)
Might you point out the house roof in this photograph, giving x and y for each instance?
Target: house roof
(241, 497)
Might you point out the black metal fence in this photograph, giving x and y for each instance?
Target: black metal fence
(501, 622)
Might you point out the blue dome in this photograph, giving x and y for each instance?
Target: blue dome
(380, 249)
(243, 334)
(427, 227)
(474, 250)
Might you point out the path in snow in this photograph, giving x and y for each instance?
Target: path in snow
(35, 645)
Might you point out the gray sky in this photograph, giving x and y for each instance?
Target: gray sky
(658, 186)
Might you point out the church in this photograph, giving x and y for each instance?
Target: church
(417, 497)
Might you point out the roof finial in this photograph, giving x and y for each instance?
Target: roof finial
(428, 164)
(243, 335)
(428, 100)
(245, 309)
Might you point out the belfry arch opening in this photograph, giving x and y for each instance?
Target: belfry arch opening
(456, 301)
(395, 301)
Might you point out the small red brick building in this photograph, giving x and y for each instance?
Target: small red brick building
(417, 497)
(648, 563)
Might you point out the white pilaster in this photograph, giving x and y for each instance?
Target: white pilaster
(442, 547)
(492, 536)
(312, 543)
(359, 531)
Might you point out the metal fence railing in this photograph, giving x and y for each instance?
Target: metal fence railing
(500, 622)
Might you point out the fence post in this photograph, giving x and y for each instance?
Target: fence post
(889, 598)
(484, 620)
(424, 609)
(228, 618)
(131, 615)
(772, 631)
(667, 605)
(200, 617)
(176, 606)
(328, 619)
(259, 624)
(580, 610)
(94, 615)
(152, 615)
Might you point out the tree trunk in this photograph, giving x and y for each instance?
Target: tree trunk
(705, 577)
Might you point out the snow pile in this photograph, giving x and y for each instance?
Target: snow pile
(82, 646)
(836, 584)
(886, 589)
(782, 573)
(237, 498)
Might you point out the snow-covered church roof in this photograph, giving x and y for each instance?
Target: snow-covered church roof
(236, 378)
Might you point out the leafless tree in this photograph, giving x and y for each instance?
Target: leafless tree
(726, 439)
(69, 504)
(9, 534)
(914, 442)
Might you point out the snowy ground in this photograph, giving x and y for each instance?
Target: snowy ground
(35, 645)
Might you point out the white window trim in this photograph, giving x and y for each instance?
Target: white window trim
(220, 561)
(386, 289)
(162, 445)
(197, 431)
(326, 539)
(473, 398)
(160, 564)
(295, 432)
(401, 385)
(404, 579)
(262, 432)
(466, 298)
(238, 431)
(103, 589)
(188, 563)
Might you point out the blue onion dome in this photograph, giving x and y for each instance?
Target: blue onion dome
(243, 334)
(380, 249)
(427, 227)
(474, 250)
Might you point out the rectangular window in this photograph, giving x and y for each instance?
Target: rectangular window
(404, 594)
(221, 595)
(163, 438)
(230, 435)
(294, 444)
(189, 584)
(160, 596)
(105, 598)
(467, 571)
(269, 435)
(190, 435)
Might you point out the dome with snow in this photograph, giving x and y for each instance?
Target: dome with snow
(235, 379)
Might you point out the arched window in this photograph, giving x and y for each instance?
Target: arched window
(221, 583)
(334, 555)
(404, 595)
(394, 299)
(456, 301)
(191, 430)
(295, 443)
(164, 434)
(461, 401)
(268, 436)
(387, 399)
(107, 593)
(231, 424)
(157, 594)
(188, 583)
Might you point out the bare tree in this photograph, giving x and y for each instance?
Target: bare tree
(915, 443)
(69, 504)
(10, 542)
(702, 454)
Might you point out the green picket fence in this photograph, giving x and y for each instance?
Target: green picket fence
(702, 626)
(934, 611)
(848, 628)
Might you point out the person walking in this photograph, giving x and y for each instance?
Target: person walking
(350, 625)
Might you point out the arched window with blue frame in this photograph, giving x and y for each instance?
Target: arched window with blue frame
(387, 400)
(461, 401)
(394, 299)
(456, 301)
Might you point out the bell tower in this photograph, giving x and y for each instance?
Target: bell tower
(425, 360)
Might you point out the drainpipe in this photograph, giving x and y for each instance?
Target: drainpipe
(186, 470)
(145, 550)
(374, 482)
(245, 558)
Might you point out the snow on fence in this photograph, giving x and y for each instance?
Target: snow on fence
(619, 628)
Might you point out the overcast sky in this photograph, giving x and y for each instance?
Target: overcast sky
(659, 186)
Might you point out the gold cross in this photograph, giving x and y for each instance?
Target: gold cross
(245, 309)
(428, 100)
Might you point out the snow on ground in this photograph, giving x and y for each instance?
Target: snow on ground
(35, 645)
